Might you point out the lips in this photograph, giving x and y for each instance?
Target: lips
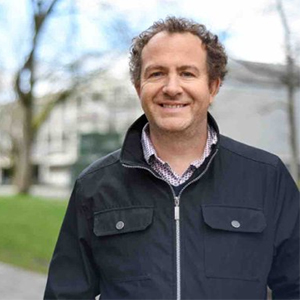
(173, 105)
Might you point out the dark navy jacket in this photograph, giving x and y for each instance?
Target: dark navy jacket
(232, 231)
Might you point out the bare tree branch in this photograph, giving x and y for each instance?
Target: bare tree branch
(291, 81)
(24, 86)
(287, 31)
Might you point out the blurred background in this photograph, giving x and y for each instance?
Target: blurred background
(66, 100)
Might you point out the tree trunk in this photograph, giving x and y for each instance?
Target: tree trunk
(292, 125)
(24, 174)
(291, 80)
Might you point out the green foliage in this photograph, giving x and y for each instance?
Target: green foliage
(29, 229)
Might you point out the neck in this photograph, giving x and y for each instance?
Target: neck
(177, 149)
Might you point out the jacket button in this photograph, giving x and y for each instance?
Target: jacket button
(235, 224)
(120, 225)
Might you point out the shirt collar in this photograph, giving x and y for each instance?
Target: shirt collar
(150, 153)
(147, 145)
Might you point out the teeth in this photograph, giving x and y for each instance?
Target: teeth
(172, 106)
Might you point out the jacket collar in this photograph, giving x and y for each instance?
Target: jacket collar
(132, 152)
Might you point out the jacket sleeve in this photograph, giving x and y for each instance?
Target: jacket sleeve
(72, 273)
(284, 275)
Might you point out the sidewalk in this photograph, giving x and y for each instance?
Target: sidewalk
(18, 284)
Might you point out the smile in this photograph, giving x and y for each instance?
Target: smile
(173, 106)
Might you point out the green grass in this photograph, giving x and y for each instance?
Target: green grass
(29, 227)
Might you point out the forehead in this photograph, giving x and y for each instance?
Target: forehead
(182, 48)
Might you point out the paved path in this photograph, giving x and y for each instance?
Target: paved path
(18, 284)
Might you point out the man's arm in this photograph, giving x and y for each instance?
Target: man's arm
(72, 274)
(284, 275)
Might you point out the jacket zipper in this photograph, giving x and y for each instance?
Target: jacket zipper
(178, 261)
(176, 217)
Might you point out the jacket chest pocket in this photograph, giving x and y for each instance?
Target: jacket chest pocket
(234, 242)
(120, 247)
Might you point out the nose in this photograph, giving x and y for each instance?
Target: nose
(172, 87)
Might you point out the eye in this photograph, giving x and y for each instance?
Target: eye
(187, 74)
(156, 74)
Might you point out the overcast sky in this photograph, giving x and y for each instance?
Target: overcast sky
(250, 29)
(253, 28)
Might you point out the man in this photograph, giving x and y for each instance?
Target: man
(180, 212)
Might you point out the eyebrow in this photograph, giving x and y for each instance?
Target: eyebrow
(189, 67)
(154, 67)
(181, 68)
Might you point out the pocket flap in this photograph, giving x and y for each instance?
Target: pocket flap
(237, 219)
(122, 220)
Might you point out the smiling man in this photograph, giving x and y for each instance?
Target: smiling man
(175, 94)
(180, 212)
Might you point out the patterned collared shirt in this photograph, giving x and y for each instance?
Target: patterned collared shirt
(163, 168)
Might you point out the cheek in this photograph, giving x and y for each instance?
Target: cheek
(145, 103)
(144, 98)
(202, 95)
(150, 90)
(143, 94)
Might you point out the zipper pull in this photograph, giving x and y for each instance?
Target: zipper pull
(176, 208)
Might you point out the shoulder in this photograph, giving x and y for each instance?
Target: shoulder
(247, 152)
(101, 163)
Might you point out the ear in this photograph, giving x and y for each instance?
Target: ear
(214, 89)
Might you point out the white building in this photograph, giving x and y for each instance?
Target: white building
(107, 104)
(243, 109)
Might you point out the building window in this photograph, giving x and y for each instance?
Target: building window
(97, 96)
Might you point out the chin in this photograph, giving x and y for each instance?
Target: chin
(172, 128)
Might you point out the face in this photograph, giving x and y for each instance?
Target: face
(174, 89)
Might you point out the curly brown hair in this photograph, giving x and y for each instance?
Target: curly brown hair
(216, 55)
